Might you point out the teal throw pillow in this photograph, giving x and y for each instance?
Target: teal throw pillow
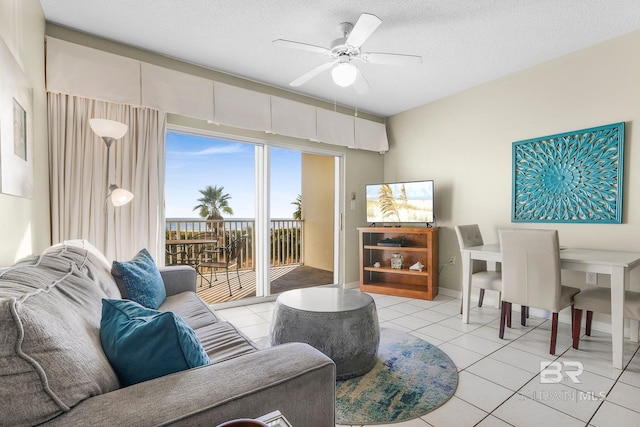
(142, 280)
(142, 344)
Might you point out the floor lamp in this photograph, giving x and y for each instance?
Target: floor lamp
(110, 131)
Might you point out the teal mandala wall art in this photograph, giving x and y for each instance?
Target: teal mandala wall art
(571, 177)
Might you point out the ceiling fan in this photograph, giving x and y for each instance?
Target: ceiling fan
(346, 49)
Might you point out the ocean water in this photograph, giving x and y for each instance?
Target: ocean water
(190, 222)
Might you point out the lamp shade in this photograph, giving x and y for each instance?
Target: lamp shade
(344, 74)
(120, 196)
(108, 128)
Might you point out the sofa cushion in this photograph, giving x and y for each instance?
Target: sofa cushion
(88, 246)
(143, 344)
(141, 279)
(98, 267)
(50, 353)
(195, 312)
(220, 339)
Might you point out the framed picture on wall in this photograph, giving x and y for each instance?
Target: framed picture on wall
(572, 177)
(19, 130)
(16, 116)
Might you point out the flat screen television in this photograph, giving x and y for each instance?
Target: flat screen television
(400, 202)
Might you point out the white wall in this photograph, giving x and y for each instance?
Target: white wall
(25, 223)
(464, 143)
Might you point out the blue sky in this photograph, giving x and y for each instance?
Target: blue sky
(193, 162)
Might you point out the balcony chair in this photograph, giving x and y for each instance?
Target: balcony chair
(175, 256)
(481, 278)
(194, 250)
(225, 257)
(599, 299)
(531, 276)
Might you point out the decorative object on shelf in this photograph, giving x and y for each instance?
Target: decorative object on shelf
(110, 131)
(396, 261)
(570, 177)
(376, 264)
(418, 266)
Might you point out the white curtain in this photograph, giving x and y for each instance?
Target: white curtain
(78, 162)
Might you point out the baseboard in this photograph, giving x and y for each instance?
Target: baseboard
(450, 293)
(352, 285)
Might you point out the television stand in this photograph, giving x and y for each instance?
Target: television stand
(419, 245)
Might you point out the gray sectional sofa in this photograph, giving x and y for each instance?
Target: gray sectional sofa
(53, 370)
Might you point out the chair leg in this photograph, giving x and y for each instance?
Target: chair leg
(229, 283)
(238, 274)
(200, 273)
(576, 323)
(503, 317)
(527, 312)
(481, 297)
(588, 325)
(634, 325)
(508, 314)
(523, 315)
(460, 307)
(554, 333)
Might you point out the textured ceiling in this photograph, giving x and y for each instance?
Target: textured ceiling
(463, 43)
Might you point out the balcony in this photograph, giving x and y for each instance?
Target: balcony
(186, 241)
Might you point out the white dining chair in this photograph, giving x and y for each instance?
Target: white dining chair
(531, 276)
(481, 277)
(598, 299)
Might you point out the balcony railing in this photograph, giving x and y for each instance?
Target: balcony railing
(286, 240)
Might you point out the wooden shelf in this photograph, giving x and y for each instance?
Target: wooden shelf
(396, 271)
(422, 246)
(400, 289)
(393, 248)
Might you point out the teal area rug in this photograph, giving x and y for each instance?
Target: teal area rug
(410, 378)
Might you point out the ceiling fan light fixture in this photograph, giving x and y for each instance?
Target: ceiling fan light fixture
(344, 74)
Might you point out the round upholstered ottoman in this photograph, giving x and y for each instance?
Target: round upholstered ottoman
(341, 323)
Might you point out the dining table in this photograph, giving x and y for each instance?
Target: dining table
(194, 243)
(616, 264)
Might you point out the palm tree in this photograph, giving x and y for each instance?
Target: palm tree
(298, 204)
(213, 203)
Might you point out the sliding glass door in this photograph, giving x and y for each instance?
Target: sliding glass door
(301, 244)
(281, 202)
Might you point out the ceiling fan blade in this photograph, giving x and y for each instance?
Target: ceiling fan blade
(311, 74)
(361, 85)
(390, 58)
(301, 46)
(366, 25)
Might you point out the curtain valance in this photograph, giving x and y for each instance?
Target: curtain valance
(83, 71)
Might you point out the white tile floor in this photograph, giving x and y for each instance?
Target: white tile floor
(499, 380)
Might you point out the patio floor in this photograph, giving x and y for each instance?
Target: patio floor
(283, 279)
